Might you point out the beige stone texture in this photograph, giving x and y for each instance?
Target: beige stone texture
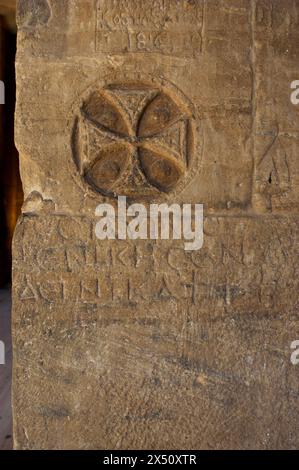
(140, 344)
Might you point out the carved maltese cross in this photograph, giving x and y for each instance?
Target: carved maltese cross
(137, 140)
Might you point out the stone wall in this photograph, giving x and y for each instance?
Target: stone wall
(142, 344)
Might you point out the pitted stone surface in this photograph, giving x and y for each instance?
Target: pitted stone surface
(140, 344)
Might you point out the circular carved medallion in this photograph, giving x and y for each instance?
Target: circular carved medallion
(134, 139)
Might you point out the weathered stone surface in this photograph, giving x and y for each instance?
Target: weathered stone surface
(275, 56)
(122, 345)
(141, 344)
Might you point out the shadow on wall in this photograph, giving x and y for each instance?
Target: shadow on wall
(5, 372)
(11, 194)
(11, 198)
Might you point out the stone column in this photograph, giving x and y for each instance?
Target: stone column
(142, 344)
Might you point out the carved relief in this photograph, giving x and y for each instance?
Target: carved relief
(145, 27)
(134, 139)
(273, 177)
(33, 13)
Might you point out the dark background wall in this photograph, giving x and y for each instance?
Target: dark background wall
(10, 203)
(11, 195)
